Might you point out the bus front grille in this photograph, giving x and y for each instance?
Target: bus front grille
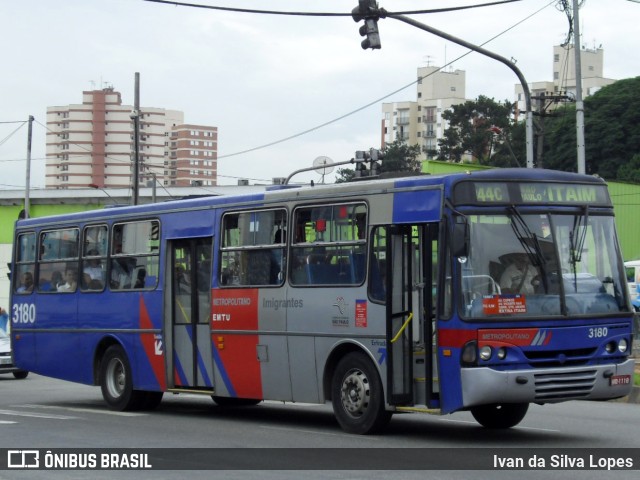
(556, 386)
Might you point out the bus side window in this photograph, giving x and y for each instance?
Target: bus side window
(330, 245)
(58, 266)
(135, 255)
(25, 259)
(377, 270)
(253, 248)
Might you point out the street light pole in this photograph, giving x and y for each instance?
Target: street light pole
(27, 204)
(579, 102)
(135, 115)
(511, 65)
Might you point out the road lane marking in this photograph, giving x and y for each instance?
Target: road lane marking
(36, 415)
(100, 410)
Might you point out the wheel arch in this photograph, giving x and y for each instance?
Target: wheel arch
(100, 350)
(337, 353)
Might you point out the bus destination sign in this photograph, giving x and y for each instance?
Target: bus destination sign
(532, 192)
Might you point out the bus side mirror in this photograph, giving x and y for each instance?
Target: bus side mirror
(460, 243)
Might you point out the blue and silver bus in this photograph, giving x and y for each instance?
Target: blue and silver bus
(483, 291)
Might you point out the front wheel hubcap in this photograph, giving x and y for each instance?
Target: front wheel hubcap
(355, 393)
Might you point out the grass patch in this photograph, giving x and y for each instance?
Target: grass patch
(636, 379)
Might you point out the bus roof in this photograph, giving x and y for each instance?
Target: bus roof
(278, 193)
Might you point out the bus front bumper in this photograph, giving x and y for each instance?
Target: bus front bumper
(483, 385)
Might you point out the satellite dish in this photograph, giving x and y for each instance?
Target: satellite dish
(323, 165)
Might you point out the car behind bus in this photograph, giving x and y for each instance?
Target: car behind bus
(6, 360)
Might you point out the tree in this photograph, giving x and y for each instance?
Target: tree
(397, 156)
(472, 130)
(400, 157)
(345, 175)
(630, 172)
(612, 133)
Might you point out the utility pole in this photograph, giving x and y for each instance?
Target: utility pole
(545, 100)
(135, 115)
(579, 102)
(27, 205)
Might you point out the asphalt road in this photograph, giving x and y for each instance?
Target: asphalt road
(41, 413)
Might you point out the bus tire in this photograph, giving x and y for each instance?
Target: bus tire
(357, 395)
(116, 381)
(500, 415)
(235, 402)
(20, 374)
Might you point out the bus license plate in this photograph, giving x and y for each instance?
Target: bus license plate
(5, 361)
(620, 380)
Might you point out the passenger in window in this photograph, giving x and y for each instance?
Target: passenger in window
(53, 284)
(121, 271)
(71, 277)
(26, 285)
(142, 274)
(93, 268)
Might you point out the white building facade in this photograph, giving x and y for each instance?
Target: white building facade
(92, 144)
(420, 122)
(564, 76)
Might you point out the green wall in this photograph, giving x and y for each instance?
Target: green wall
(9, 214)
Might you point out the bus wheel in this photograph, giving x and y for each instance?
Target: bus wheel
(116, 382)
(235, 402)
(357, 395)
(500, 415)
(20, 374)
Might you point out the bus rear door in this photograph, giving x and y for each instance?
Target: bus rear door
(190, 361)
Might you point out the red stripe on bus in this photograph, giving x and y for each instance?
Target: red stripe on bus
(154, 348)
(455, 338)
(237, 310)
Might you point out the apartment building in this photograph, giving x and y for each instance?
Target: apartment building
(93, 144)
(420, 122)
(564, 76)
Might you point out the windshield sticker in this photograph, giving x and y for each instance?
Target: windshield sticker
(504, 304)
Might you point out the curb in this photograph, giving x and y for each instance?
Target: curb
(633, 397)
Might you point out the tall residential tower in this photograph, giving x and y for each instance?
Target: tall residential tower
(92, 144)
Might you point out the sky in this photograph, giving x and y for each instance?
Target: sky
(264, 78)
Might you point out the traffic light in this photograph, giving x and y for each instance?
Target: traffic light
(361, 168)
(367, 10)
(373, 157)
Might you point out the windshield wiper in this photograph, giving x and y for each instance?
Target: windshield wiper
(577, 236)
(528, 239)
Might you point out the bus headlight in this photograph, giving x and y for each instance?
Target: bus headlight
(623, 345)
(485, 353)
(502, 353)
(610, 347)
(469, 353)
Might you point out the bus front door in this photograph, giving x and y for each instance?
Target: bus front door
(399, 315)
(191, 360)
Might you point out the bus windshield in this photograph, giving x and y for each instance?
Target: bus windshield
(528, 265)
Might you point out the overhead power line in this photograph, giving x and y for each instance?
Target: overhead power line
(378, 100)
(12, 133)
(322, 14)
